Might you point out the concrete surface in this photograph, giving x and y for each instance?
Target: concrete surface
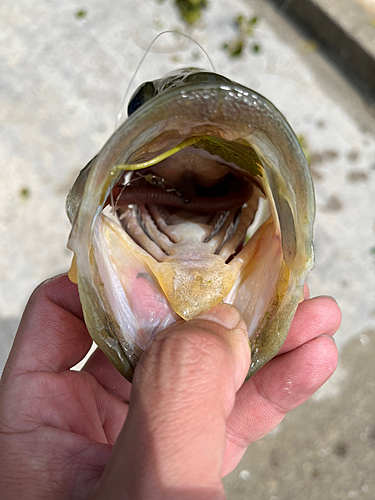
(62, 80)
(345, 30)
(369, 5)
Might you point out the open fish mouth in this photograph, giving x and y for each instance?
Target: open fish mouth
(203, 195)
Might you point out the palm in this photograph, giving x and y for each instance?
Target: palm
(74, 417)
(68, 421)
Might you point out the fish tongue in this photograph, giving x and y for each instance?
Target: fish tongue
(192, 279)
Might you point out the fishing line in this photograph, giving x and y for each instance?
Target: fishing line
(120, 114)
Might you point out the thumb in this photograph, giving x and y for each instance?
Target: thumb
(172, 444)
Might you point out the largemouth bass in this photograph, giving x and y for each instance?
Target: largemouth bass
(202, 195)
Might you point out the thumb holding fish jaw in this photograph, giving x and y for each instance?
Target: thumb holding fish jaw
(173, 442)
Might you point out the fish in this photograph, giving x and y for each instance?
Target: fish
(203, 195)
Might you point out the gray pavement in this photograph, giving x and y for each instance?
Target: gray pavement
(344, 30)
(62, 80)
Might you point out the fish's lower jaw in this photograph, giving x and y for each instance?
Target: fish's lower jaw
(194, 286)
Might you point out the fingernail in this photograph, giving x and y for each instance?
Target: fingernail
(235, 334)
(222, 314)
(327, 336)
(326, 297)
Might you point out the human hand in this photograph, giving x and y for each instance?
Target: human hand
(189, 416)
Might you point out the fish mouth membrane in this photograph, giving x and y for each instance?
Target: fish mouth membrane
(181, 236)
(187, 201)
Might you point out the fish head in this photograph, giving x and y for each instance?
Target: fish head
(203, 195)
(175, 79)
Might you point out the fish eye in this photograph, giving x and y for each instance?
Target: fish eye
(205, 76)
(144, 93)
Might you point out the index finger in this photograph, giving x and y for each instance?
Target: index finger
(52, 335)
(314, 317)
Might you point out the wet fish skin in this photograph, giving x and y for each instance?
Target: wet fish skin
(195, 103)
